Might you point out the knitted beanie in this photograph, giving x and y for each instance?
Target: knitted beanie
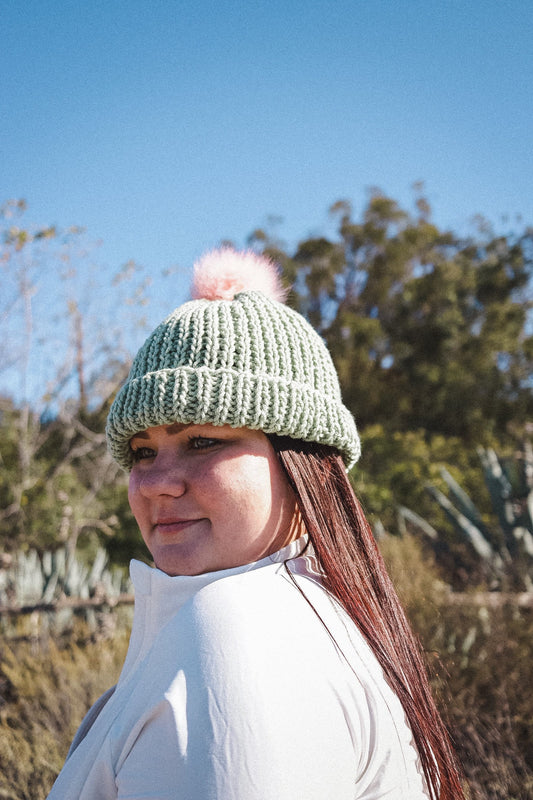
(246, 361)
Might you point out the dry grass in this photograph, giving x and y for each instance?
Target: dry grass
(44, 693)
(481, 663)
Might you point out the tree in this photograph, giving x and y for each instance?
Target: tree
(428, 330)
(59, 368)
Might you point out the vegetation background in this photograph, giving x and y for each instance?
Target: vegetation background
(431, 334)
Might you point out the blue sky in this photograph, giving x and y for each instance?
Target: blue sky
(164, 127)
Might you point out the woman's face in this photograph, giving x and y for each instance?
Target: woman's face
(208, 497)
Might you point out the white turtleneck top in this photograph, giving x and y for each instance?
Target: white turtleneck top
(243, 684)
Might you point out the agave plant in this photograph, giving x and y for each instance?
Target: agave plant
(505, 550)
(31, 581)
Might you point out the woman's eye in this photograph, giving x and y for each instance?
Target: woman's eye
(141, 453)
(202, 442)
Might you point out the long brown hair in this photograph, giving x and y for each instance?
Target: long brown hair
(355, 574)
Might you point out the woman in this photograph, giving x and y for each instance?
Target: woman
(269, 655)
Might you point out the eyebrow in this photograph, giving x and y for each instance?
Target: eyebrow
(175, 427)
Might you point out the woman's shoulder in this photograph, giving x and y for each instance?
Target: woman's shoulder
(278, 613)
(265, 596)
(261, 615)
(276, 617)
(259, 598)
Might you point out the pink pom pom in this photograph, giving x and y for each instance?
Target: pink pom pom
(221, 274)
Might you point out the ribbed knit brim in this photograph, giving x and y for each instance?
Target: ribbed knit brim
(248, 362)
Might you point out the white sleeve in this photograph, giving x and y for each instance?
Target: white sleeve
(263, 708)
(245, 719)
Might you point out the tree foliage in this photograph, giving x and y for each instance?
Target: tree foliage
(428, 330)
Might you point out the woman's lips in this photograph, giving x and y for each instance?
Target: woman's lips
(167, 527)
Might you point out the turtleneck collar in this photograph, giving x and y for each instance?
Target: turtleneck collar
(159, 596)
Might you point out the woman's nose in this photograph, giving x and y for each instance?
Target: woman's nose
(164, 477)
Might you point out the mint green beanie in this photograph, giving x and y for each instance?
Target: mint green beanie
(248, 362)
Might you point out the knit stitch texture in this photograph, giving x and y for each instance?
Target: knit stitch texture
(248, 362)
